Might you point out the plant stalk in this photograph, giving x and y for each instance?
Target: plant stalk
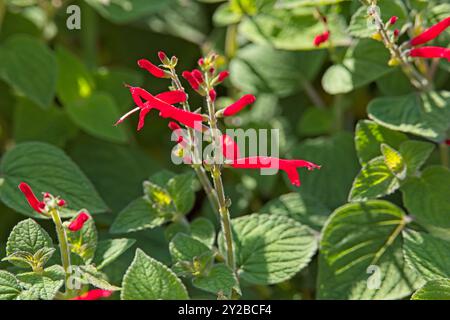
(63, 246)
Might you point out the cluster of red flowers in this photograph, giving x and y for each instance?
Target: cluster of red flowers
(164, 102)
(428, 35)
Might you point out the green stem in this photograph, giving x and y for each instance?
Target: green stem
(443, 148)
(63, 246)
(218, 184)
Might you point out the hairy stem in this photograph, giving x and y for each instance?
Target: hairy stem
(217, 179)
(63, 246)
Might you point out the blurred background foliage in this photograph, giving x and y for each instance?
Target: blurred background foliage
(65, 87)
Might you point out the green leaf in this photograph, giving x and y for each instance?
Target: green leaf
(303, 208)
(270, 249)
(368, 139)
(315, 122)
(426, 197)
(96, 115)
(255, 70)
(427, 254)
(185, 248)
(415, 154)
(129, 10)
(148, 279)
(74, 81)
(182, 193)
(424, 115)
(219, 280)
(27, 236)
(363, 27)
(46, 169)
(375, 180)
(331, 184)
(225, 15)
(138, 215)
(204, 231)
(109, 250)
(9, 286)
(394, 161)
(90, 275)
(52, 125)
(40, 286)
(291, 30)
(364, 63)
(434, 290)
(29, 66)
(84, 241)
(361, 254)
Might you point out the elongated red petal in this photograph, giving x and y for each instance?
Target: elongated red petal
(150, 67)
(430, 52)
(262, 162)
(172, 97)
(94, 295)
(239, 105)
(197, 75)
(230, 149)
(223, 75)
(431, 33)
(33, 201)
(142, 115)
(192, 81)
(78, 222)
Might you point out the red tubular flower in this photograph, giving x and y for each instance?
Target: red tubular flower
(430, 52)
(94, 295)
(34, 203)
(222, 76)
(212, 95)
(160, 102)
(197, 75)
(288, 166)
(78, 222)
(238, 105)
(431, 33)
(150, 67)
(230, 149)
(393, 20)
(191, 79)
(321, 38)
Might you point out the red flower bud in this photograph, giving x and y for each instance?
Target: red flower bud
(162, 56)
(431, 33)
(192, 81)
(430, 52)
(78, 222)
(201, 62)
(239, 105)
(197, 75)
(212, 95)
(396, 33)
(61, 202)
(223, 75)
(393, 20)
(321, 38)
(150, 67)
(34, 203)
(174, 126)
(288, 166)
(94, 295)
